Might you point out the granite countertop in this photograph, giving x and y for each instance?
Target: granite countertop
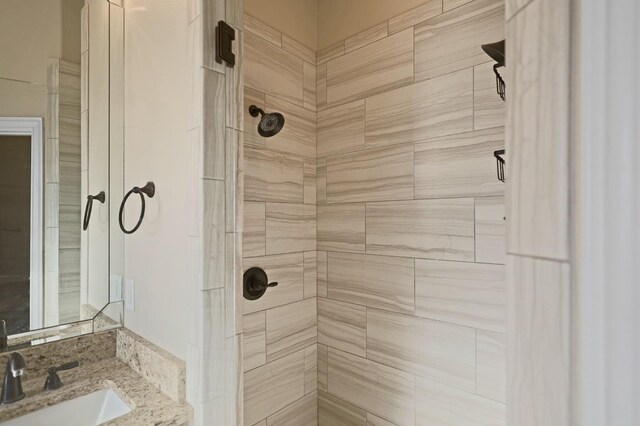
(149, 406)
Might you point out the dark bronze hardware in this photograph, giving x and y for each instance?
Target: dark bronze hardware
(255, 283)
(89, 207)
(225, 34)
(149, 190)
(499, 163)
(53, 380)
(11, 384)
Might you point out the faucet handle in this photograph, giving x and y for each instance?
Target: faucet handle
(3, 335)
(53, 380)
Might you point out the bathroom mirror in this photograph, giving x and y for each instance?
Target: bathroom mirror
(61, 66)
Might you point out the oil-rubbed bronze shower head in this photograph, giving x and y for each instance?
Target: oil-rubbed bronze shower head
(270, 123)
(495, 51)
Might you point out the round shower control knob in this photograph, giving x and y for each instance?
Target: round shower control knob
(255, 283)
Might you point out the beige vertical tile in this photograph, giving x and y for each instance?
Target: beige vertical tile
(538, 131)
(330, 52)
(214, 124)
(333, 411)
(513, 6)
(460, 165)
(212, 13)
(439, 404)
(377, 174)
(310, 369)
(379, 66)
(489, 109)
(272, 176)
(322, 273)
(432, 349)
(298, 136)
(290, 328)
(365, 37)
(298, 49)
(254, 350)
(234, 181)
(378, 389)
(451, 41)
(290, 227)
(463, 293)
(341, 128)
(310, 79)
(272, 70)
(490, 230)
(491, 356)
(323, 358)
(303, 412)
(273, 386)
(425, 11)
(257, 98)
(310, 274)
(432, 229)
(375, 281)
(341, 227)
(254, 233)
(436, 107)
(287, 271)
(262, 30)
(321, 87)
(234, 84)
(214, 234)
(310, 187)
(539, 335)
(321, 183)
(373, 420)
(342, 326)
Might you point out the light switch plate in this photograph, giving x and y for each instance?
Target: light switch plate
(129, 295)
(115, 288)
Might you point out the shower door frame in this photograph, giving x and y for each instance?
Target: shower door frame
(32, 127)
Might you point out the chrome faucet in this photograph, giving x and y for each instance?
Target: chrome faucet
(11, 384)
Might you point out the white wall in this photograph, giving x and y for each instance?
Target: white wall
(155, 149)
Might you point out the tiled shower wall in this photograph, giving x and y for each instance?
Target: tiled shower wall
(410, 224)
(280, 329)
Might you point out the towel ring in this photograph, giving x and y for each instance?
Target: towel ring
(89, 207)
(149, 190)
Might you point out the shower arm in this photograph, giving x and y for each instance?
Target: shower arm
(254, 111)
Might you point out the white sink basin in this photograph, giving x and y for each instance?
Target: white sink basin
(93, 409)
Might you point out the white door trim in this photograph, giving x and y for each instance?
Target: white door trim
(32, 126)
(608, 248)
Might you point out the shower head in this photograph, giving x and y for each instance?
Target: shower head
(495, 51)
(270, 124)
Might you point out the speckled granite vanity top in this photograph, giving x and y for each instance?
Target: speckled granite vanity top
(149, 405)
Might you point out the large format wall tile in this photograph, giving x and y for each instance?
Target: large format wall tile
(371, 175)
(432, 349)
(437, 107)
(270, 69)
(439, 404)
(539, 369)
(298, 49)
(250, 124)
(272, 176)
(378, 389)
(491, 356)
(287, 270)
(490, 230)
(451, 41)
(342, 326)
(310, 81)
(341, 227)
(464, 293)
(273, 386)
(460, 165)
(375, 281)
(303, 412)
(341, 128)
(254, 352)
(262, 30)
(433, 229)
(290, 328)
(290, 227)
(488, 108)
(425, 11)
(365, 37)
(298, 136)
(538, 132)
(333, 411)
(310, 274)
(379, 66)
(310, 368)
(323, 359)
(254, 229)
(373, 420)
